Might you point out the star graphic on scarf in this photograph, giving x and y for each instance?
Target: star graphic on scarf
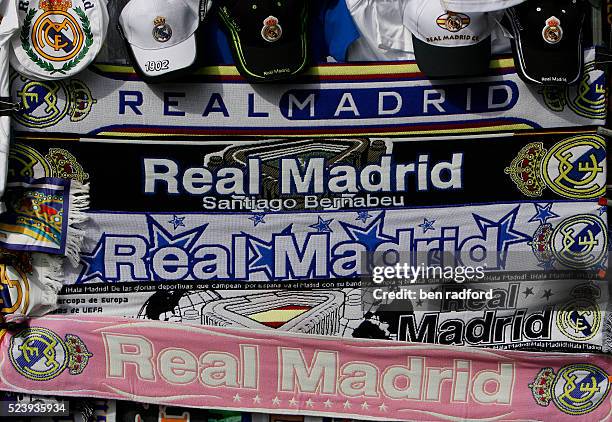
(264, 256)
(371, 236)
(507, 235)
(160, 238)
(547, 294)
(543, 213)
(427, 225)
(364, 216)
(322, 225)
(263, 251)
(93, 263)
(528, 291)
(177, 221)
(258, 218)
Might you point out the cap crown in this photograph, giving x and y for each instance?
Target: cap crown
(260, 23)
(430, 23)
(156, 24)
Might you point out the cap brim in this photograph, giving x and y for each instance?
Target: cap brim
(560, 67)
(272, 62)
(162, 61)
(445, 62)
(289, 59)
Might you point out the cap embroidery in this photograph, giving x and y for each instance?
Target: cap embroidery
(161, 30)
(271, 30)
(552, 32)
(56, 33)
(453, 22)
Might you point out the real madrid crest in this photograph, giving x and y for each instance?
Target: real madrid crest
(577, 389)
(572, 168)
(580, 242)
(271, 30)
(577, 242)
(162, 32)
(552, 32)
(56, 33)
(453, 22)
(46, 103)
(580, 318)
(39, 354)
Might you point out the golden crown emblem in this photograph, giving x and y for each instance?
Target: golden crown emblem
(40, 212)
(78, 355)
(159, 21)
(81, 101)
(55, 5)
(525, 169)
(541, 243)
(271, 21)
(541, 386)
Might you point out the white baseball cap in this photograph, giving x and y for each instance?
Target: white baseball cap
(58, 38)
(478, 5)
(161, 35)
(449, 43)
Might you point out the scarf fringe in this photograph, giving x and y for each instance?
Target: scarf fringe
(48, 269)
(77, 216)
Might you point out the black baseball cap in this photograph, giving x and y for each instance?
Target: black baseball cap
(547, 40)
(268, 38)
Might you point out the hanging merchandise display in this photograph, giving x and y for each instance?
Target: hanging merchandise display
(168, 248)
(547, 40)
(58, 38)
(304, 211)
